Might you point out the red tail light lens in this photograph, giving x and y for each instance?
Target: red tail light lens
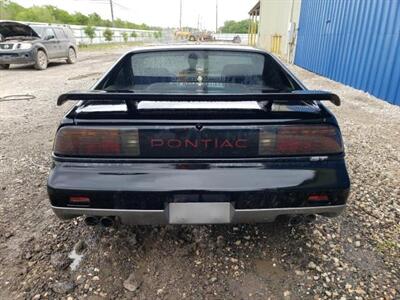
(300, 140)
(318, 198)
(106, 142)
(79, 200)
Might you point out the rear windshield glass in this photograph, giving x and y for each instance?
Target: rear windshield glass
(207, 71)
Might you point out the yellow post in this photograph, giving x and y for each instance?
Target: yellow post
(276, 40)
(249, 32)
(255, 29)
(253, 40)
(251, 29)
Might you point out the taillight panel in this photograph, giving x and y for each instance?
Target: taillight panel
(283, 140)
(189, 142)
(97, 141)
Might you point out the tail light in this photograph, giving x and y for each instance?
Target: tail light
(98, 141)
(79, 200)
(300, 140)
(318, 198)
(275, 140)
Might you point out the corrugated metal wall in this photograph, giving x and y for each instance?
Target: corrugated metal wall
(356, 42)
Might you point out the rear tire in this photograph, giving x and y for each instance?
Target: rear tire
(71, 59)
(5, 66)
(41, 60)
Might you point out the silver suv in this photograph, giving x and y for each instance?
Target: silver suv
(35, 44)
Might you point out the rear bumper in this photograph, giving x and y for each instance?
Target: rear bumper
(140, 193)
(161, 217)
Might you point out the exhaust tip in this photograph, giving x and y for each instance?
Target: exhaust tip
(107, 221)
(91, 220)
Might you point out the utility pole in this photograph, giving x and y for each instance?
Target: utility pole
(216, 16)
(180, 15)
(112, 12)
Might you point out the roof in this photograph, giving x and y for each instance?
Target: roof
(255, 10)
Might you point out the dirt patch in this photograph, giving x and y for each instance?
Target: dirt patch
(95, 75)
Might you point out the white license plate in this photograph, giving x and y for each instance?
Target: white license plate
(200, 213)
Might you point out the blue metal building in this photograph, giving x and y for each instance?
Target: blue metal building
(356, 42)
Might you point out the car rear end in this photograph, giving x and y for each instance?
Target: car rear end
(196, 162)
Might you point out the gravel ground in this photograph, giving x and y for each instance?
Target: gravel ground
(354, 256)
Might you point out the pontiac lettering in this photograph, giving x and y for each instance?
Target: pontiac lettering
(199, 143)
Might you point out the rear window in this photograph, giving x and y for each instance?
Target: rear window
(208, 71)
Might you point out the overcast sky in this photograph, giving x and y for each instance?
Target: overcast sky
(163, 13)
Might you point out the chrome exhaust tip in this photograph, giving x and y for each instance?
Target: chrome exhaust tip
(107, 222)
(92, 220)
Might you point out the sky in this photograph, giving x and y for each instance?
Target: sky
(164, 13)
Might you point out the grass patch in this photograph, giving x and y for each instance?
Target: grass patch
(99, 47)
(390, 245)
(386, 246)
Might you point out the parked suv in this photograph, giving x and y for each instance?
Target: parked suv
(36, 44)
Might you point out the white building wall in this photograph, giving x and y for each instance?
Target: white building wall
(276, 17)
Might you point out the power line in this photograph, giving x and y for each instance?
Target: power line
(121, 6)
(111, 3)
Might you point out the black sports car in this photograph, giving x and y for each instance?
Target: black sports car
(197, 134)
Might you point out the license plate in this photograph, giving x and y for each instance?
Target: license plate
(200, 213)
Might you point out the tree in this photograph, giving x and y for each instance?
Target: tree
(95, 19)
(125, 36)
(10, 10)
(133, 34)
(108, 34)
(90, 31)
(80, 19)
(235, 26)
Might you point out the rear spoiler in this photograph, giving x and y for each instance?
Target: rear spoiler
(295, 96)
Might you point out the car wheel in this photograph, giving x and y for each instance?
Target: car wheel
(5, 66)
(41, 60)
(71, 56)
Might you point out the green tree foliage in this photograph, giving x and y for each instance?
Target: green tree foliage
(50, 14)
(235, 27)
(108, 34)
(81, 19)
(125, 36)
(133, 34)
(90, 31)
